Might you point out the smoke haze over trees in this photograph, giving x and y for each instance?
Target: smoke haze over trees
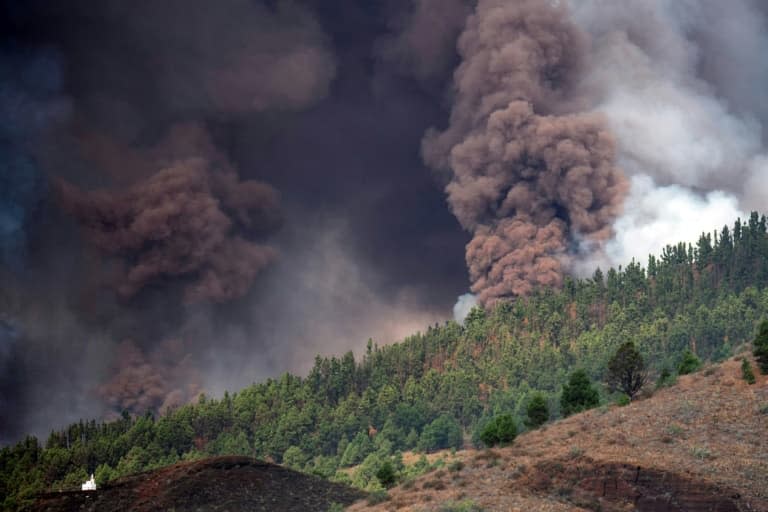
(198, 195)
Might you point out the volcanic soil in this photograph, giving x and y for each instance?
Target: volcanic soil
(700, 445)
(231, 484)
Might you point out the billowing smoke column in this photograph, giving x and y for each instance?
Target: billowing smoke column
(188, 221)
(531, 178)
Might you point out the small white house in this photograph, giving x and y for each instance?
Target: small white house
(90, 485)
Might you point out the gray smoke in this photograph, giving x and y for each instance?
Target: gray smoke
(680, 85)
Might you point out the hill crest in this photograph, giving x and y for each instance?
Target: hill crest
(219, 483)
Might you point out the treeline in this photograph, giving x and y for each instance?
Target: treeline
(437, 388)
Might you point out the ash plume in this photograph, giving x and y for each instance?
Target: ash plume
(126, 233)
(164, 378)
(187, 221)
(200, 111)
(530, 175)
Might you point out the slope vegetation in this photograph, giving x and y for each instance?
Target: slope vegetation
(697, 446)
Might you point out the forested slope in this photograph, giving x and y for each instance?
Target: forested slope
(434, 387)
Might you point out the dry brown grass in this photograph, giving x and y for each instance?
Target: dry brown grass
(709, 429)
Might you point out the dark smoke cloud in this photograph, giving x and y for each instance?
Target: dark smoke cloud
(231, 58)
(529, 178)
(423, 38)
(165, 378)
(186, 221)
(204, 110)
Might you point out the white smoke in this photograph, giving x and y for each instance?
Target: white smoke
(672, 84)
(659, 215)
(463, 306)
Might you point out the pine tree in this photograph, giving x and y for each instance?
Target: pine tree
(500, 430)
(578, 394)
(537, 411)
(689, 363)
(626, 370)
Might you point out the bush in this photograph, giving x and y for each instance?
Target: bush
(460, 506)
(387, 475)
(537, 412)
(622, 400)
(665, 379)
(761, 347)
(578, 394)
(746, 371)
(377, 497)
(501, 430)
(689, 363)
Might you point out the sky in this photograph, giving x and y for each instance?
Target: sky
(199, 195)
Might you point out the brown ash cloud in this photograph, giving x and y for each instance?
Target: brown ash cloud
(140, 382)
(190, 221)
(530, 173)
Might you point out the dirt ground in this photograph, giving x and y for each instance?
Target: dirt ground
(700, 445)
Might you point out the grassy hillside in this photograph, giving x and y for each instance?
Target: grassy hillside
(436, 388)
(697, 445)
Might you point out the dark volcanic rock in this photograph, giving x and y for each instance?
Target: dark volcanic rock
(618, 486)
(230, 484)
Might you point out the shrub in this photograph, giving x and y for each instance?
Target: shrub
(701, 452)
(460, 506)
(377, 497)
(761, 347)
(665, 379)
(537, 412)
(746, 371)
(578, 394)
(501, 430)
(622, 400)
(689, 363)
(386, 475)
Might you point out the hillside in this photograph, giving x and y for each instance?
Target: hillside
(698, 445)
(435, 389)
(222, 483)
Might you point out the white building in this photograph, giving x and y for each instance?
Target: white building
(90, 485)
